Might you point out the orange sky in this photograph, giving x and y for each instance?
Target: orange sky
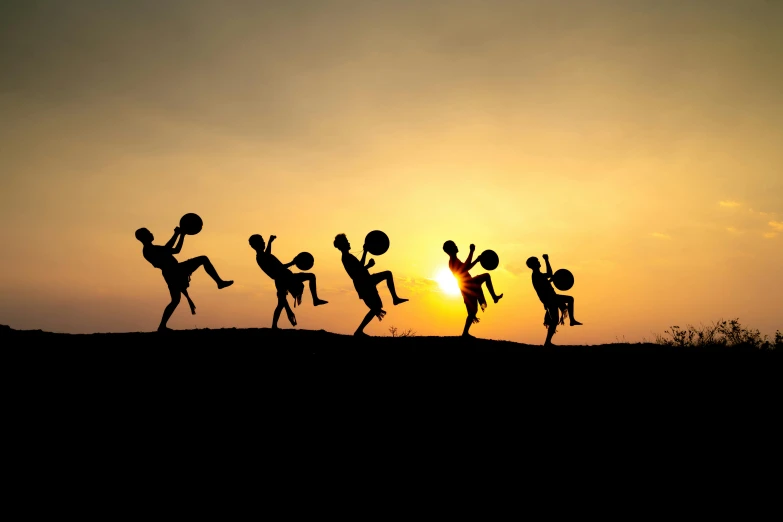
(636, 142)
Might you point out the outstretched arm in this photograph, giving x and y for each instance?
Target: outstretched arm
(469, 263)
(269, 244)
(289, 264)
(470, 256)
(548, 266)
(181, 240)
(170, 242)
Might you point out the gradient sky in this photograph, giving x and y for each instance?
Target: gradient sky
(638, 143)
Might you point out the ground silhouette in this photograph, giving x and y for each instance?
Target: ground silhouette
(270, 343)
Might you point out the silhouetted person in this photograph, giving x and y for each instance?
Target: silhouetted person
(176, 274)
(553, 302)
(285, 280)
(366, 283)
(472, 293)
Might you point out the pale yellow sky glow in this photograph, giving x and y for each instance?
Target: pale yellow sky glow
(637, 142)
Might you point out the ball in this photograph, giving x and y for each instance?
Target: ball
(191, 224)
(563, 279)
(489, 260)
(304, 261)
(376, 242)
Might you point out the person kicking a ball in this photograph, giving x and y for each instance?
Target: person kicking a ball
(366, 283)
(285, 280)
(176, 274)
(553, 302)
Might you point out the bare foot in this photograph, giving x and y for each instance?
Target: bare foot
(292, 319)
(360, 334)
(224, 284)
(164, 329)
(496, 299)
(468, 336)
(398, 300)
(317, 302)
(575, 323)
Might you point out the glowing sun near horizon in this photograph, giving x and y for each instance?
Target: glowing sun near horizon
(447, 282)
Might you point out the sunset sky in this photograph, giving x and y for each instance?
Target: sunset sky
(639, 143)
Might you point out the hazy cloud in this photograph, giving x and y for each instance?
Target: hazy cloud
(516, 269)
(419, 284)
(660, 235)
(729, 204)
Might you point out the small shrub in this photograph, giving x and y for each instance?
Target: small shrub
(720, 334)
(405, 333)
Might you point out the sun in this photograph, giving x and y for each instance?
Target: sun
(447, 282)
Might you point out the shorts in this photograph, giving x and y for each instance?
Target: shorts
(178, 277)
(286, 284)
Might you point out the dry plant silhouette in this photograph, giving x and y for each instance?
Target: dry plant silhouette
(401, 333)
(720, 334)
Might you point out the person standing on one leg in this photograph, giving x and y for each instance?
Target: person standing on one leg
(176, 274)
(472, 293)
(552, 301)
(366, 283)
(285, 280)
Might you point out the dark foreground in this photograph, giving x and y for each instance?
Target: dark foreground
(246, 373)
(266, 343)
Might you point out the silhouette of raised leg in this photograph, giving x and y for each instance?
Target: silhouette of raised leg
(310, 278)
(486, 278)
(570, 306)
(175, 299)
(210, 269)
(389, 278)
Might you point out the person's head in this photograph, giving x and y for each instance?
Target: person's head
(341, 243)
(533, 263)
(257, 242)
(450, 247)
(145, 236)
